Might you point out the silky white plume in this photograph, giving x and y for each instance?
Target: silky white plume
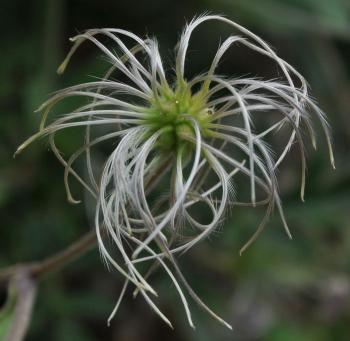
(169, 140)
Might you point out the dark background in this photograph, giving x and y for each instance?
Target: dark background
(279, 290)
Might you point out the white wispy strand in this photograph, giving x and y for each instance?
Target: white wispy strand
(130, 118)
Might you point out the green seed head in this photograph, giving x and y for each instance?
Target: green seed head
(170, 112)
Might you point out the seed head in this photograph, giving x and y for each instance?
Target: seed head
(169, 140)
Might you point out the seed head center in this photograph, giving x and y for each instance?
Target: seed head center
(173, 111)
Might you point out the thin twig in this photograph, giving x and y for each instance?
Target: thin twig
(37, 269)
(25, 290)
(66, 256)
(25, 276)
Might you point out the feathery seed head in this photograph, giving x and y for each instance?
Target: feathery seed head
(183, 137)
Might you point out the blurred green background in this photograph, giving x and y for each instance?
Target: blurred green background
(279, 290)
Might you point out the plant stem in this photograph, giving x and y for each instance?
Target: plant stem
(75, 250)
(24, 278)
(52, 263)
(66, 256)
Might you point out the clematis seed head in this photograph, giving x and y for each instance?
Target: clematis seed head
(176, 146)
